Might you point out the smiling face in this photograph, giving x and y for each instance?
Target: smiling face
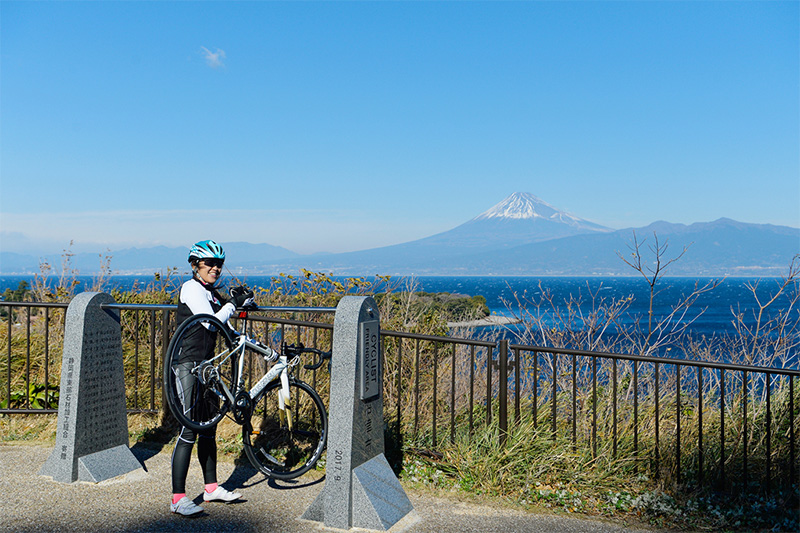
(209, 270)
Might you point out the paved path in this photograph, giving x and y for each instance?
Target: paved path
(138, 502)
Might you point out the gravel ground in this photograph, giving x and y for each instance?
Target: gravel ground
(139, 502)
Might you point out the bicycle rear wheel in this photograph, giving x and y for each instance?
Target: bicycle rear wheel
(194, 391)
(286, 444)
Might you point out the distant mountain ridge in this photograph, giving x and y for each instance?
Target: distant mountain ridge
(521, 235)
(145, 260)
(718, 248)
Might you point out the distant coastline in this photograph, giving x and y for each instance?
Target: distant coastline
(491, 320)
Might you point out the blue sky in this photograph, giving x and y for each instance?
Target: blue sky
(348, 125)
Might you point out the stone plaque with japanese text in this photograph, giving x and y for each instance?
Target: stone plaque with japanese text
(92, 431)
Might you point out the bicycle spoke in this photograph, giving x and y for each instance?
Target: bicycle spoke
(274, 448)
(194, 389)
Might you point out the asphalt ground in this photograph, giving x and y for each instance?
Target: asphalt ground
(139, 502)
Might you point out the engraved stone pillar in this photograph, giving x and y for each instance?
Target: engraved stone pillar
(361, 489)
(92, 438)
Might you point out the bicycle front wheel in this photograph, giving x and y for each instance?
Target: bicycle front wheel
(194, 381)
(285, 444)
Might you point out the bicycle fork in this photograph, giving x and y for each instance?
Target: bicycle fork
(284, 398)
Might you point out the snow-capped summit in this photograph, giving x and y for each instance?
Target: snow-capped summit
(520, 205)
(524, 205)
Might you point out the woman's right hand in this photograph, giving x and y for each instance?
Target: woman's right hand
(241, 296)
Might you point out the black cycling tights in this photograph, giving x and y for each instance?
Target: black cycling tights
(206, 440)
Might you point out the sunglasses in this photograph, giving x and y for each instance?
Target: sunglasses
(211, 263)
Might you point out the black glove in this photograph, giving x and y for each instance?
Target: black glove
(241, 296)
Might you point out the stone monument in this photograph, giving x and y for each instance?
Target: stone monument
(361, 490)
(92, 438)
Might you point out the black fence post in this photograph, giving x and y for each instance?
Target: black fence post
(503, 391)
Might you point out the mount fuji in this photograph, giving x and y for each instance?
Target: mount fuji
(520, 219)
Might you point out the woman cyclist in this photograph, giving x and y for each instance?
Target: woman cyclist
(199, 295)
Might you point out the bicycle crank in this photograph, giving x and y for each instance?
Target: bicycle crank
(242, 407)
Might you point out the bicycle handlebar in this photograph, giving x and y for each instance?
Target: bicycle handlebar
(292, 350)
(242, 311)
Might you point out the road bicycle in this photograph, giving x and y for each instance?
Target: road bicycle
(284, 422)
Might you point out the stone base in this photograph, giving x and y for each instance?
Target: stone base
(379, 501)
(94, 467)
(107, 464)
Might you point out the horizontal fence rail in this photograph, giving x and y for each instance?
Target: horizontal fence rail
(682, 421)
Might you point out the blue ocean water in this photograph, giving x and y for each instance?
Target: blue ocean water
(504, 294)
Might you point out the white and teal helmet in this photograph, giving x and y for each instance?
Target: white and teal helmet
(206, 250)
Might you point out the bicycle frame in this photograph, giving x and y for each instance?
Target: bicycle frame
(281, 368)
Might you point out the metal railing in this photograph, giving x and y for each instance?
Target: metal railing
(30, 384)
(52, 323)
(680, 419)
(683, 404)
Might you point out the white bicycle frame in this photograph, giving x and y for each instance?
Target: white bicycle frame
(281, 368)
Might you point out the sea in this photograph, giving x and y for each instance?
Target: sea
(711, 314)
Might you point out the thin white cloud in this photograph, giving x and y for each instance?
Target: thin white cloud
(214, 59)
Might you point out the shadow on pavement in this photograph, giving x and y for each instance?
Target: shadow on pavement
(244, 475)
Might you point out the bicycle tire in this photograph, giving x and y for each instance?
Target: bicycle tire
(274, 449)
(207, 407)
